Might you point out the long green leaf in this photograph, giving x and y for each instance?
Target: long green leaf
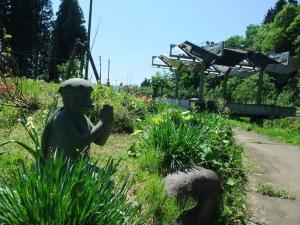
(33, 152)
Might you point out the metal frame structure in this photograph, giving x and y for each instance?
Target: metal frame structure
(228, 62)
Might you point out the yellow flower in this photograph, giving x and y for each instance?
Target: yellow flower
(136, 132)
(30, 122)
(157, 120)
(7, 37)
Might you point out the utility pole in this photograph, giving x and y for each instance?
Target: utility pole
(100, 68)
(88, 40)
(108, 71)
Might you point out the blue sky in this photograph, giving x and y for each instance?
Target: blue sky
(131, 31)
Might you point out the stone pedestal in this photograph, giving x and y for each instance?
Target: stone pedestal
(200, 184)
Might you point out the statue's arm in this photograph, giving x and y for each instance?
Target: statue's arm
(74, 139)
(104, 128)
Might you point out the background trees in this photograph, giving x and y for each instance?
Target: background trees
(68, 26)
(29, 23)
(40, 44)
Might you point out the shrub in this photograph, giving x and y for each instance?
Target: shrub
(127, 108)
(175, 140)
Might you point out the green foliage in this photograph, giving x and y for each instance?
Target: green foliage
(68, 26)
(63, 192)
(281, 34)
(148, 186)
(272, 12)
(251, 34)
(127, 108)
(235, 41)
(8, 116)
(160, 82)
(271, 191)
(29, 23)
(163, 209)
(75, 72)
(174, 140)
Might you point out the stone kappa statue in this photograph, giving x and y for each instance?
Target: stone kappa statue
(69, 131)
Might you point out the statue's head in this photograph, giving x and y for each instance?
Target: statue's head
(76, 95)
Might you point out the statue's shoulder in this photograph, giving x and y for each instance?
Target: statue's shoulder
(61, 115)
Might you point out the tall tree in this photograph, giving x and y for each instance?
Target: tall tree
(235, 41)
(251, 33)
(68, 26)
(43, 26)
(281, 35)
(272, 12)
(29, 23)
(4, 13)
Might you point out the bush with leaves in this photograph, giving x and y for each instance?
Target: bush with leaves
(127, 108)
(175, 140)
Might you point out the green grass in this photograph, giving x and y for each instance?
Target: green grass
(283, 130)
(271, 191)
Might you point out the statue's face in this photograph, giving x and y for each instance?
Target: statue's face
(79, 101)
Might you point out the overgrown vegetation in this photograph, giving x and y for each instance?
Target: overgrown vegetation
(174, 140)
(62, 191)
(164, 138)
(127, 108)
(269, 190)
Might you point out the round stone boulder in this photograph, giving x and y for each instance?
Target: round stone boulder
(200, 184)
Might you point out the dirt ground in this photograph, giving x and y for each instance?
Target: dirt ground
(272, 163)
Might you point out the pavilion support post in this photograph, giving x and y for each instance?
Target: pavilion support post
(176, 85)
(260, 85)
(224, 84)
(201, 83)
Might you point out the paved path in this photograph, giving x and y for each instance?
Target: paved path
(277, 164)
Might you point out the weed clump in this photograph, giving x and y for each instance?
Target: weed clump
(174, 140)
(271, 191)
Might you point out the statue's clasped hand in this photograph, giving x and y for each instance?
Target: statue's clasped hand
(106, 113)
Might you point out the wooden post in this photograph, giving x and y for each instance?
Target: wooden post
(201, 83)
(260, 85)
(93, 64)
(88, 40)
